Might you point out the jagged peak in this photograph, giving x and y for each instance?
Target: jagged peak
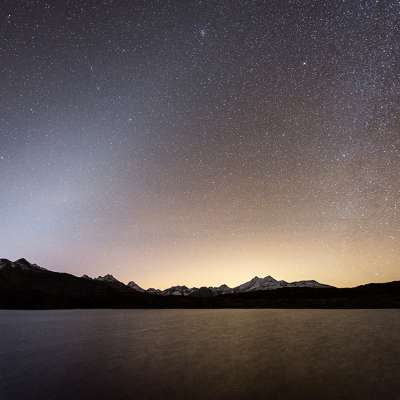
(179, 287)
(153, 290)
(107, 278)
(223, 286)
(22, 261)
(269, 278)
(133, 285)
(4, 262)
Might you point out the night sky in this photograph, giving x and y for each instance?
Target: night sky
(202, 142)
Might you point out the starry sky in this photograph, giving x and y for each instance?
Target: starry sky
(202, 142)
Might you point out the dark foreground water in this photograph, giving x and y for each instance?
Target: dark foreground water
(200, 354)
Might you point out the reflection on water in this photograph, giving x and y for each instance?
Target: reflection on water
(200, 354)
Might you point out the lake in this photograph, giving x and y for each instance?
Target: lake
(200, 354)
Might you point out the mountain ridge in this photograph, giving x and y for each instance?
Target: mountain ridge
(256, 283)
(26, 285)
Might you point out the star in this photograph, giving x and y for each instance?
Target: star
(283, 132)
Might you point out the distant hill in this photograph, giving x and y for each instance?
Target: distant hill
(26, 285)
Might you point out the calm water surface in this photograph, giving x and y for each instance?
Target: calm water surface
(200, 354)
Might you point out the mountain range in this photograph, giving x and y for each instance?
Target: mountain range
(267, 283)
(27, 285)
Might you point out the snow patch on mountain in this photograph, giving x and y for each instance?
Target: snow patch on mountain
(153, 291)
(269, 283)
(177, 291)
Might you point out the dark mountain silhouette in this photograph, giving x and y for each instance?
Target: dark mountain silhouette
(26, 285)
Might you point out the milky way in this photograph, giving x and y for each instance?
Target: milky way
(202, 142)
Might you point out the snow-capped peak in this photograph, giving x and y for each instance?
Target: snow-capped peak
(258, 284)
(135, 286)
(153, 291)
(176, 291)
(309, 283)
(270, 283)
(108, 278)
